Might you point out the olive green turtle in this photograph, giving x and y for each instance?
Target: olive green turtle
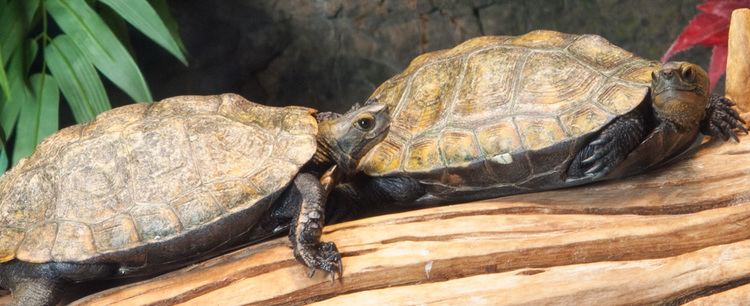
(501, 115)
(147, 187)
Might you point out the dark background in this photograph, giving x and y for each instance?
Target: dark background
(329, 54)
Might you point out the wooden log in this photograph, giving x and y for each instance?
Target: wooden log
(738, 59)
(674, 235)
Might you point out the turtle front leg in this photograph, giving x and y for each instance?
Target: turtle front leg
(609, 147)
(721, 119)
(307, 228)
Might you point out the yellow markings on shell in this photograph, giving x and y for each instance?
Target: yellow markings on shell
(499, 138)
(552, 81)
(620, 99)
(74, 242)
(9, 240)
(487, 83)
(585, 119)
(390, 92)
(430, 92)
(423, 156)
(598, 52)
(539, 133)
(115, 234)
(385, 157)
(542, 39)
(640, 71)
(458, 147)
(37, 243)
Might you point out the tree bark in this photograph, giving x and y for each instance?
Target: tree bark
(738, 60)
(676, 235)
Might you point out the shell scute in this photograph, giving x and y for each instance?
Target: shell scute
(458, 147)
(160, 160)
(487, 85)
(598, 52)
(542, 39)
(425, 103)
(38, 242)
(499, 138)
(196, 208)
(116, 233)
(551, 82)
(155, 221)
(423, 156)
(538, 133)
(74, 242)
(583, 120)
(95, 182)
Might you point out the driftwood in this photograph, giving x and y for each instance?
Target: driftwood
(677, 235)
(680, 235)
(738, 60)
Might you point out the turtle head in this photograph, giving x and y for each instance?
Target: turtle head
(344, 139)
(680, 94)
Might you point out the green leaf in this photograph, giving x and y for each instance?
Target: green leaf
(15, 22)
(3, 154)
(144, 18)
(4, 87)
(115, 23)
(38, 119)
(77, 78)
(17, 70)
(162, 9)
(99, 44)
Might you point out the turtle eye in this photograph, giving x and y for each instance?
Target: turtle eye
(688, 74)
(365, 123)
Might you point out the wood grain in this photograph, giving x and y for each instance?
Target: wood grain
(738, 59)
(673, 235)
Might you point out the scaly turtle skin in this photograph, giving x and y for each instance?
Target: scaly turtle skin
(147, 187)
(501, 115)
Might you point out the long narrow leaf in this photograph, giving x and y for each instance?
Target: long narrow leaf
(4, 87)
(20, 93)
(144, 18)
(15, 22)
(162, 8)
(99, 44)
(77, 78)
(39, 118)
(3, 154)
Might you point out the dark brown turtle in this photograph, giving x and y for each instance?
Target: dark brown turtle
(501, 115)
(149, 186)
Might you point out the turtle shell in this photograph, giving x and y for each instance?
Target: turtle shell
(174, 177)
(475, 115)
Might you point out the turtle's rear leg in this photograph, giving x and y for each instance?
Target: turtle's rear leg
(42, 284)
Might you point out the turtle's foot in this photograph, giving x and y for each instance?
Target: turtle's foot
(722, 120)
(323, 256)
(609, 148)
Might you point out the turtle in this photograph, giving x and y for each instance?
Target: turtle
(502, 115)
(148, 186)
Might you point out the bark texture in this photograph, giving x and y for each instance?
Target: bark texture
(677, 235)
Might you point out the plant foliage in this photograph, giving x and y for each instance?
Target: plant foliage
(710, 28)
(39, 61)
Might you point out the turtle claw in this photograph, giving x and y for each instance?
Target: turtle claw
(722, 120)
(325, 256)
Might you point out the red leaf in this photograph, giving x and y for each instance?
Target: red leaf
(722, 8)
(718, 64)
(702, 29)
